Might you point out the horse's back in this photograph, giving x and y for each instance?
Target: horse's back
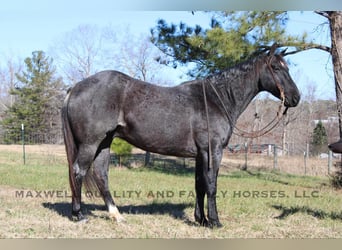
(101, 80)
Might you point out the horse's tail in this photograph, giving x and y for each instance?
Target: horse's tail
(70, 145)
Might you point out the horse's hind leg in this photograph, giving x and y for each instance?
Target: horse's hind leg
(76, 196)
(101, 168)
(81, 166)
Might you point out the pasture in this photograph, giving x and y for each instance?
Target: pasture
(158, 201)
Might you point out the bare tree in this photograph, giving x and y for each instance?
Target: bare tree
(78, 53)
(8, 81)
(135, 55)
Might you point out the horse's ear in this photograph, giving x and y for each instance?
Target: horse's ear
(273, 49)
(282, 53)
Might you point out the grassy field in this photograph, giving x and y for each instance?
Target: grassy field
(158, 202)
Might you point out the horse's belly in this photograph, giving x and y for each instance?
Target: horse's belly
(174, 151)
(166, 141)
(165, 146)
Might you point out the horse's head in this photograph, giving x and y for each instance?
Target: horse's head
(275, 78)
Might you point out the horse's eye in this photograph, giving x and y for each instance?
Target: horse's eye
(275, 67)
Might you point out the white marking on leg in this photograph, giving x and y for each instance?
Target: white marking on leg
(114, 211)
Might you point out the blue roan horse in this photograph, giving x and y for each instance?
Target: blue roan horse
(166, 120)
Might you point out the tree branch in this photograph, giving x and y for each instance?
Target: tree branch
(305, 46)
(323, 13)
(299, 47)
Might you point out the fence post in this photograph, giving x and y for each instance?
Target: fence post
(269, 150)
(23, 141)
(305, 159)
(275, 162)
(329, 161)
(246, 156)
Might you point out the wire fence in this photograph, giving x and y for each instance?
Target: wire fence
(273, 158)
(31, 139)
(48, 149)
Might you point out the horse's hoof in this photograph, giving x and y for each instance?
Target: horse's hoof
(78, 217)
(215, 224)
(203, 222)
(115, 214)
(211, 223)
(83, 220)
(118, 219)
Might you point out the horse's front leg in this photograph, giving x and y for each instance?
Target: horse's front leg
(206, 184)
(212, 173)
(200, 186)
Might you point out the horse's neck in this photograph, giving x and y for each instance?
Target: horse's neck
(239, 92)
(248, 95)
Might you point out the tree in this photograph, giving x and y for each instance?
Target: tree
(232, 38)
(133, 54)
(38, 98)
(8, 81)
(335, 25)
(78, 53)
(319, 139)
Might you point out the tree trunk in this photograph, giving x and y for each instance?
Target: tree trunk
(336, 54)
(283, 138)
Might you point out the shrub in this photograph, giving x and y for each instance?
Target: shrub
(336, 179)
(122, 149)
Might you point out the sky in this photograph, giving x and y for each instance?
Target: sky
(27, 26)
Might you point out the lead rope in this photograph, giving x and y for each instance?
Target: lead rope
(207, 114)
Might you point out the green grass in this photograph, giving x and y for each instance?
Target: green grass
(158, 202)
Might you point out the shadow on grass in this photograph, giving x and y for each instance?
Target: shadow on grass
(174, 210)
(317, 213)
(280, 178)
(64, 208)
(271, 176)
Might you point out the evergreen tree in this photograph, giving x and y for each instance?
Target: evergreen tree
(38, 98)
(232, 38)
(319, 139)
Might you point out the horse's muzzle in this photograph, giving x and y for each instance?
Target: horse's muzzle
(292, 101)
(336, 147)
